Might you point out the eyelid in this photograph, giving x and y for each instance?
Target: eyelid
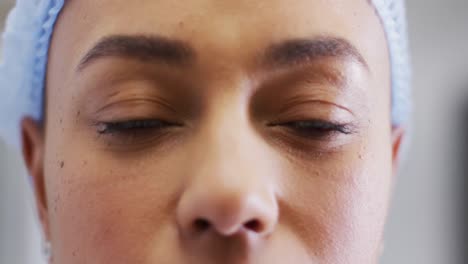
(138, 108)
(163, 104)
(300, 100)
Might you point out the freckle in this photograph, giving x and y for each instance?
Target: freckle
(181, 24)
(78, 113)
(61, 120)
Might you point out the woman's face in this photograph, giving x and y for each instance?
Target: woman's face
(210, 131)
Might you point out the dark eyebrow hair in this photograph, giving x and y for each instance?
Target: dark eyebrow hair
(141, 47)
(178, 53)
(304, 51)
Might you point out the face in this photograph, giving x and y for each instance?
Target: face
(215, 132)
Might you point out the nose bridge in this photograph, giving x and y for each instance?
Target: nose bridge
(228, 187)
(233, 151)
(225, 161)
(226, 133)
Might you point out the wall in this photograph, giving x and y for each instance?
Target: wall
(425, 219)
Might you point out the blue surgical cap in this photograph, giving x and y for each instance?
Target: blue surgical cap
(26, 41)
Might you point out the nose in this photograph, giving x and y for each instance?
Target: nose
(230, 190)
(227, 210)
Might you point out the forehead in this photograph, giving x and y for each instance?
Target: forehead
(233, 29)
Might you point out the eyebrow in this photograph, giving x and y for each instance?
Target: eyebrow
(154, 48)
(141, 47)
(305, 51)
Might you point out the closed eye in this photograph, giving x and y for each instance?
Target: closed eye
(132, 126)
(315, 128)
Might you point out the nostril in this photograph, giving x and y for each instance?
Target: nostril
(253, 225)
(201, 224)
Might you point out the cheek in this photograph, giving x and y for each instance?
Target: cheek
(99, 206)
(338, 206)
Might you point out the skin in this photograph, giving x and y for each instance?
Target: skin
(231, 178)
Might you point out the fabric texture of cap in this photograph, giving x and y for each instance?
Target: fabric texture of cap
(26, 42)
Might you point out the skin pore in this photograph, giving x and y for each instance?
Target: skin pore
(215, 131)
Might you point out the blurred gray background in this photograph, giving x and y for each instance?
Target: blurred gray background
(426, 218)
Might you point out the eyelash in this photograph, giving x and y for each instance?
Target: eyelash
(133, 132)
(307, 125)
(131, 126)
(315, 129)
